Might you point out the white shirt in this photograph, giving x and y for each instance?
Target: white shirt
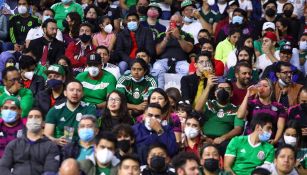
(193, 28)
(246, 5)
(38, 32)
(262, 61)
(113, 69)
(279, 7)
(232, 59)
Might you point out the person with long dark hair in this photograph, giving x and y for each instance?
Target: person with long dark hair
(71, 27)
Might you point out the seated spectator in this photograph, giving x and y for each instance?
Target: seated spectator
(193, 140)
(186, 163)
(243, 80)
(182, 111)
(210, 16)
(112, 10)
(285, 55)
(70, 167)
(151, 131)
(115, 112)
(77, 52)
(260, 170)
(66, 64)
(61, 9)
(132, 38)
(225, 47)
(38, 32)
(6, 59)
(284, 162)
(23, 20)
(244, 153)
(103, 160)
(106, 65)
(211, 160)
(97, 83)
(129, 165)
(144, 54)
(30, 80)
(302, 49)
(105, 37)
(11, 124)
(67, 114)
(53, 94)
(91, 14)
(174, 96)
(172, 48)
(263, 104)
(269, 55)
(83, 148)
(71, 27)
(168, 117)
(12, 87)
(221, 122)
(137, 86)
(244, 54)
(33, 153)
(47, 48)
(157, 161)
(202, 36)
(3, 33)
(125, 140)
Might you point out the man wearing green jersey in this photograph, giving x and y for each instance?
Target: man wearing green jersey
(245, 153)
(66, 116)
(97, 83)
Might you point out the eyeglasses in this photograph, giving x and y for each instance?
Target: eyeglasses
(287, 72)
(15, 79)
(117, 100)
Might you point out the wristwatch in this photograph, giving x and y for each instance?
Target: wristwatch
(160, 132)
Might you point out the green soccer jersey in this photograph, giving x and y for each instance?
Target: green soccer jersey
(211, 17)
(96, 91)
(61, 116)
(136, 91)
(247, 156)
(220, 120)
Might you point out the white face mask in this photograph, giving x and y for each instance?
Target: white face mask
(22, 9)
(290, 140)
(34, 125)
(190, 132)
(93, 71)
(45, 18)
(108, 28)
(303, 45)
(29, 75)
(104, 156)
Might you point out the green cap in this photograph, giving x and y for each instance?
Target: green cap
(186, 3)
(11, 98)
(56, 68)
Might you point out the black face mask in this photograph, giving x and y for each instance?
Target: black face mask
(201, 41)
(85, 38)
(270, 12)
(211, 164)
(157, 164)
(304, 107)
(65, 24)
(142, 10)
(124, 145)
(222, 96)
(288, 13)
(103, 5)
(91, 20)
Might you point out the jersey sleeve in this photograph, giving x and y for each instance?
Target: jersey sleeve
(120, 86)
(112, 84)
(91, 109)
(270, 157)
(11, 29)
(232, 147)
(51, 117)
(26, 102)
(238, 122)
(219, 52)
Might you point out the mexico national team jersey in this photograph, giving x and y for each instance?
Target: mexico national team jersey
(136, 91)
(248, 156)
(61, 116)
(96, 91)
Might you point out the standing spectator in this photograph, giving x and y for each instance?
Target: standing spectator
(105, 37)
(12, 87)
(47, 48)
(64, 7)
(106, 65)
(97, 83)
(186, 164)
(129, 165)
(20, 24)
(131, 39)
(53, 94)
(263, 104)
(67, 114)
(78, 51)
(38, 32)
(172, 47)
(11, 124)
(244, 153)
(32, 154)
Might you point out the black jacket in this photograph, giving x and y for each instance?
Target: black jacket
(56, 49)
(30, 158)
(71, 150)
(42, 100)
(144, 40)
(189, 85)
(37, 84)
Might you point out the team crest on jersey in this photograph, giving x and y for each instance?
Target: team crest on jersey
(30, 23)
(221, 113)
(261, 155)
(136, 95)
(78, 116)
(19, 133)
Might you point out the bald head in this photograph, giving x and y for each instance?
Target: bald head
(69, 167)
(177, 18)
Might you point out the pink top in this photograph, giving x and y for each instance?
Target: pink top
(103, 41)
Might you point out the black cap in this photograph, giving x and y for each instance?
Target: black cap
(286, 49)
(94, 59)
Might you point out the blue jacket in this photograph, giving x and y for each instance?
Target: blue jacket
(144, 138)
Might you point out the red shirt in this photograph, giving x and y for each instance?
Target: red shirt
(27, 83)
(218, 66)
(134, 46)
(52, 101)
(74, 49)
(196, 148)
(238, 95)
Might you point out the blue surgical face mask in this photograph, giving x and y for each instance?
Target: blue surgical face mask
(237, 19)
(86, 134)
(132, 25)
(8, 115)
(265, 136)
(187, 19)
(66, 1)
(141, 79)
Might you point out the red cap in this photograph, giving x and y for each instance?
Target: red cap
(270, 35)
